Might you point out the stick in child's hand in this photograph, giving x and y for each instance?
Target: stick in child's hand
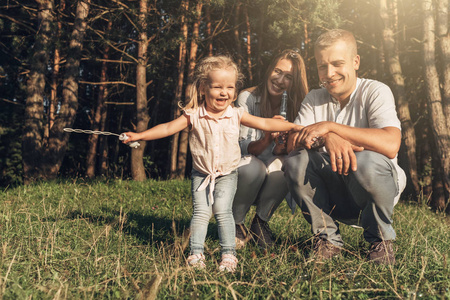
(124, 137)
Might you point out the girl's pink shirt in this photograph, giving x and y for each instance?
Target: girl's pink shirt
(214, 143)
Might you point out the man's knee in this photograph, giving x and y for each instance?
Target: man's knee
(372, 166)
(375, 175)
(295, 163)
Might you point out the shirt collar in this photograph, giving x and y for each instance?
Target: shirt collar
(227, 114)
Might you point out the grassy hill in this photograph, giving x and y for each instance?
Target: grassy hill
(128, 240)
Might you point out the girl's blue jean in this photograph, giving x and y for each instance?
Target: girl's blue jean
(224, 190)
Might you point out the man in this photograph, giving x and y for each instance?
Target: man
(354, 178)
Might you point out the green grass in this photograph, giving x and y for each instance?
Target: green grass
(124, 240)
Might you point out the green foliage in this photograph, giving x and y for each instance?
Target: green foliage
(113, 239)
(10, 145)
(290, 18)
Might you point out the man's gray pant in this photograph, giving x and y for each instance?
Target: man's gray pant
(364, 197)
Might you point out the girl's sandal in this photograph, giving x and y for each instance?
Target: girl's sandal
(196, 261)
(229, 263)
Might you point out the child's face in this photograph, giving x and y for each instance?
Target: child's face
(219, 90)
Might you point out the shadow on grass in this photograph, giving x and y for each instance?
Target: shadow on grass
(150, 229)
(147, 228)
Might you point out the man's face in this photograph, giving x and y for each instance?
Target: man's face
(337, 67)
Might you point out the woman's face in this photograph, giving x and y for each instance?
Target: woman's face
(281, 77)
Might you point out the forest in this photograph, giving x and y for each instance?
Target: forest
(121, 65)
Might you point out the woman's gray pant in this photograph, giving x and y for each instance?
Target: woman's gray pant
(261, 184)
(364, 197)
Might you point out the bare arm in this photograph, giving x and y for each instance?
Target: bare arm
(385, 140)
(267, 124)
(159, 131)
(257, 147)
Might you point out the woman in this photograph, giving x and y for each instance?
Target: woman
(261, 181)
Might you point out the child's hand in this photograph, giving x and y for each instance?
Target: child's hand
(131, 137)
(279, 137)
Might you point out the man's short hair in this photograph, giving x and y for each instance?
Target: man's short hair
(332, 36)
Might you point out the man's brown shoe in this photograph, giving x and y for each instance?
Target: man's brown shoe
(382, 253)
(325, 250)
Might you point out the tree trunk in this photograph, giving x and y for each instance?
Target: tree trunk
(103, 148)
(34, 109)
(438, 120)
(209, 45)
(249, 45)
(58, 140)
(426, 161)
(307, 40)
(55, 74)
(179, 89)
(395, 69)
(438, 199)
(91, 157)
(142, 118)
(443, 36)
(236, 33)
(259, 72)
(183, 143)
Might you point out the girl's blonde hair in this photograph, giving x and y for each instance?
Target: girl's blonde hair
(297, 90)
(201, 72)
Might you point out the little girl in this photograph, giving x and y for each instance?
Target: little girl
(213, 139)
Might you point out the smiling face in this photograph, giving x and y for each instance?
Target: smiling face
(337, 66)
(219, 91)
(281, 78)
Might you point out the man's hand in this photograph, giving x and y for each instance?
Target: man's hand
(296, 139)
(309, 135)
(342, 153)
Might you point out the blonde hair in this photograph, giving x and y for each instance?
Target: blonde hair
(297, 90)
(332, 36)
(201, 72)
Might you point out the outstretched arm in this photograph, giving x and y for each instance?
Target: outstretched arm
(258, 146)
(267, 124)
(159, 131)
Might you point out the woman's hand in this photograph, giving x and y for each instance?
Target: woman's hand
(280, 143)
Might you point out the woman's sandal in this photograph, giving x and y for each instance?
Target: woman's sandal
(196, 261)
(229, 263)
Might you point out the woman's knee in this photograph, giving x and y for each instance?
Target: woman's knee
(253, 171)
